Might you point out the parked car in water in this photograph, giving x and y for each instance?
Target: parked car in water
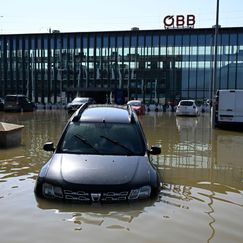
(138, 106)
(17, 102)
(102, 156)
(187, 108)
(77, 102)
(1, 104)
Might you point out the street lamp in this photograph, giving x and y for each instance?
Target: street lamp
(215, 62)
(215, 49)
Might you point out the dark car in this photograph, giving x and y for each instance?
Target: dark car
(17, 103)
(1, 104)
(102, 156)
(77, 102)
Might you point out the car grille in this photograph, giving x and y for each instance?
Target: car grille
(95, 196)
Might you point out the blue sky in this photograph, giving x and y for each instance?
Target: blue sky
(30, 16)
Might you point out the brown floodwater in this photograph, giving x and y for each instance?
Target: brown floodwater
(201, 199)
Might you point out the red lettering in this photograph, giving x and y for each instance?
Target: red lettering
(180, 20)
(191, 19)
(169, 20)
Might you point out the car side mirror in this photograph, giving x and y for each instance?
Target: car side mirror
(155, 150)
(49, 146)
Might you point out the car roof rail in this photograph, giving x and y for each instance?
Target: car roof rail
(79, 112)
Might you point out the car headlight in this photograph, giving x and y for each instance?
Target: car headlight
(140, 193)
(51, 191)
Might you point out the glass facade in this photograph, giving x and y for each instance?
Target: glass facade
(120, 65)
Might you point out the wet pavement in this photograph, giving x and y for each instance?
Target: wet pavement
(201, 199)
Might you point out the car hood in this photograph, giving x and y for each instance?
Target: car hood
(99, 170)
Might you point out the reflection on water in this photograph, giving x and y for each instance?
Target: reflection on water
(201, 199)
(97, 214)
(191, 147)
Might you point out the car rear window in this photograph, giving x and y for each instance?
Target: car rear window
(135, 103)
(11, 98)
(186, 103)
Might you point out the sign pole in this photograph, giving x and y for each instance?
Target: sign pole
(215, 63)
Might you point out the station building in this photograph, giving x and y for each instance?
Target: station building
(152, 65)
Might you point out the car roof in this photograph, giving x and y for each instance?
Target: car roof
(81, 98)
(104, 113)
(131, 101)
(187, 100)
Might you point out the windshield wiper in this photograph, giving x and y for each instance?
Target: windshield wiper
(119, 144)
(86, 142)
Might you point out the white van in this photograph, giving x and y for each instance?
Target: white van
(229, 107)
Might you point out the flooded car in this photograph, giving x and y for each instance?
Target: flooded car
(187, 108)
(77, 102)
(18, 102)
(102, 156)
(138, 106)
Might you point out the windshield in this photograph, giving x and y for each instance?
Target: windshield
(102, 138)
